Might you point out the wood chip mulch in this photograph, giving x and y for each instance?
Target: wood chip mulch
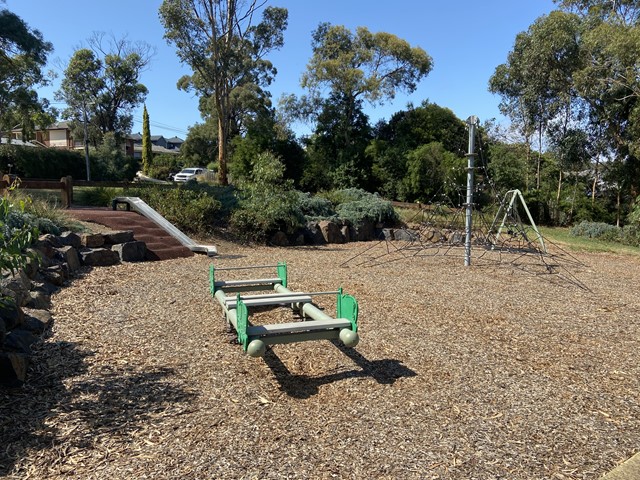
(486, 372)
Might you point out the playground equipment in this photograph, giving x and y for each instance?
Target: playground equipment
(255, 338)
(138, 205)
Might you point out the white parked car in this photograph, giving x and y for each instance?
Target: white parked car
(188, 174)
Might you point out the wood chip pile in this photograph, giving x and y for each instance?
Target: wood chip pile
(484, 372)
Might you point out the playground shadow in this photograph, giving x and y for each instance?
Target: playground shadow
(384, 371)
(62, 395)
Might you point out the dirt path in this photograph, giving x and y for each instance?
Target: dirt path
(485, 372)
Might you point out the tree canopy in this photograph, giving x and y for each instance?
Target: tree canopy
(227, 52)
(23, 55)
(104, 81)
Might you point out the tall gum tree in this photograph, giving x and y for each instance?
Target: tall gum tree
(23, 55)
(226, 50)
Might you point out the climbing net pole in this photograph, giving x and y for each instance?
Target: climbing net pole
(472, 122)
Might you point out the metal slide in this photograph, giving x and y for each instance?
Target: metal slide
(138, 205)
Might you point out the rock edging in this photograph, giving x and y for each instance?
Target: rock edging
(25, 296)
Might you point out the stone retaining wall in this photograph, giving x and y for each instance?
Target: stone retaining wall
(24, 312)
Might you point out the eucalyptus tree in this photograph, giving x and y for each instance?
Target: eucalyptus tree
(536, 83)
(226, 49)
(23, 55)
(102, 83)
(348, 69)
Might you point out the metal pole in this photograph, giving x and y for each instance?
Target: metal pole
(86, 142)
(472, 122)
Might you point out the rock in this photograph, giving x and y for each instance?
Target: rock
(345, 233)
(299, 241)
(54, 274)
(114, 238)
(70, 239)
(131, 251)
(33, 263)
(19, 341)
(364, 231)
(13, 369)
(36, 321)
(280, 239)
(99, 257)
(38, 299)
(69, 255)
(92, 240)
(3, 331)
(387, 234)
(313, 234)
(330, 232)
(405, 235)
(457, 238)
(20, 284)
(50, 239)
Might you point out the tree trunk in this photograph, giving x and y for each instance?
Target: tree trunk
(539, 157)
(222, 151)
(595, 183)
(618, 208)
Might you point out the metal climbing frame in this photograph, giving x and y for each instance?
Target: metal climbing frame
(255, 338)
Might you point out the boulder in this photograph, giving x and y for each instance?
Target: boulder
(99, 257)
(131, 251)
(279, 239)
(364, 231)
(11, 315)
(20, 284)
(36, 321)
(54, 274)
(114, 238)
(92, 240)
(69, 255)
(405, 235)
(13, 369)
(345, 231)
(387, 234)
(19, 341)
(313, 234)
(70, 239)
(38, 299)
(330, 232)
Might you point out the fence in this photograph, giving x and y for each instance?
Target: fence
(64, 185)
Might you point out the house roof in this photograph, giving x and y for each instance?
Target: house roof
(175, 140)
(156, 137)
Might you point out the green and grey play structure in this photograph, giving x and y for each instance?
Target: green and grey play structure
(314, 325)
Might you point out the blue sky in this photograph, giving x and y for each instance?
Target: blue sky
(467, 39)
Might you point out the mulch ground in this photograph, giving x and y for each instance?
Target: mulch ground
(486, 372)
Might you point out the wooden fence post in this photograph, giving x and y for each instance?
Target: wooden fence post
(67, 191)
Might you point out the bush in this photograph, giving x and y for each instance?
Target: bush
(193, 209)
(164, 165)
(315, 207)
(599, 230)
(267, 202)
(16, 234)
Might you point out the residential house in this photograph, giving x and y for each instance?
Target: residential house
(159, 145)
(57, 135)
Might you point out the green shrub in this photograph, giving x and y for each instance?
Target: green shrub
(163, 165)
(193, 209)
(16, 234)
(599, 230)
(630, 235)
(267, 202)
(315, 207)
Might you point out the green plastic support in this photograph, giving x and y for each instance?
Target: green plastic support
(242, 319)
(347, 307)
(212, 280)
(282, 273)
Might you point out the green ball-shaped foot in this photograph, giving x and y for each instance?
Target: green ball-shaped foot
(256, 348)
(349, 337)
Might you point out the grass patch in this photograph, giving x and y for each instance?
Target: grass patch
(563, 237)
